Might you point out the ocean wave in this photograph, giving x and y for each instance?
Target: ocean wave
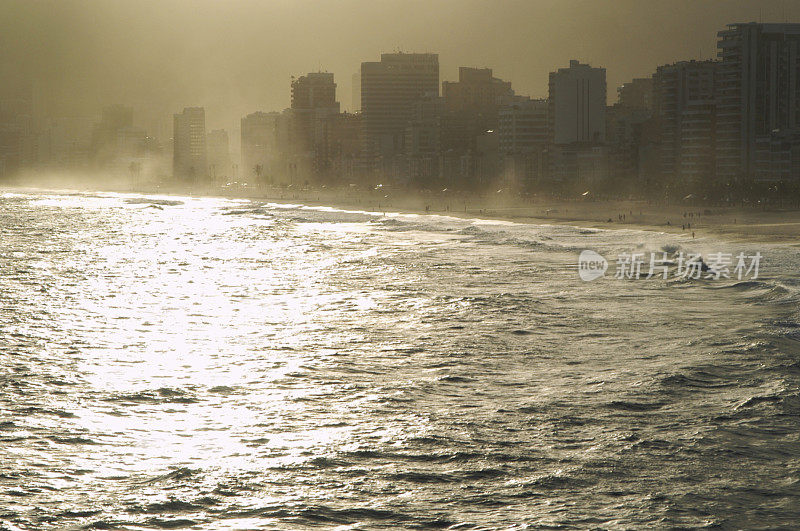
(148, 201)
(158, 396)
(316, 515)
(421, 477)
(178, 474)
(171, 523)
(698, 378)
(756, 400)
(629, 405)
(72, 440)
(243, 211)
(77, 513)
(173, 506)
(112, 525)
(555, 481)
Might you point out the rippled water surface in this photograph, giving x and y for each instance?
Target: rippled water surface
(218, 364)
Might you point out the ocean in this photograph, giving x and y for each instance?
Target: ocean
(207, 363)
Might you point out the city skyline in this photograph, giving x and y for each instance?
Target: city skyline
(234, 59)
(674, 126)
(677, 128)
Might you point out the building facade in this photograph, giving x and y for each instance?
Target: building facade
(219, 155)
(523, 131)
(471, 107)
(578, 104)
(313, 108)
(189, 155)
(758, 99)
(423, 141)
(697, 142)
(636, 94)
(355, 93)
(259, 145)
(577, 115)
(390, 89)
(684, 95)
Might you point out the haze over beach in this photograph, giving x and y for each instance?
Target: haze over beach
(399, 265)
(234, 57)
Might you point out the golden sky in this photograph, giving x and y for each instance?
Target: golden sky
(237, 56)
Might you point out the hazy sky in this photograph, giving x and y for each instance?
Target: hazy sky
(237, 56)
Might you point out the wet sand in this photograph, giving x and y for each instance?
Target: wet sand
(730, 223)
(736, 223)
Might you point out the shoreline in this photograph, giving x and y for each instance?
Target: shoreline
(725, 222)
(728, 223)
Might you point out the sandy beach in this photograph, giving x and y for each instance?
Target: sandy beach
(752, 224)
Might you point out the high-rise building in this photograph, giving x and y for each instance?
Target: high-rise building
(578, 104)
(523, 125)
(313, 91)
(523, 140)
(626, 121)
(636, 94)
(627, 141)
(758, 99)
(423, 142)
(469, 123)
(104, 134)
(219, 154)
(577, 117)
(680, 92)
(189, 154)
(259, 144)
(345, 147)
(476, 90)
(313, 106)
(471, 107)
(115, 141)
(64, 142)
(355, 105)
(697, 138)
(389, 91)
